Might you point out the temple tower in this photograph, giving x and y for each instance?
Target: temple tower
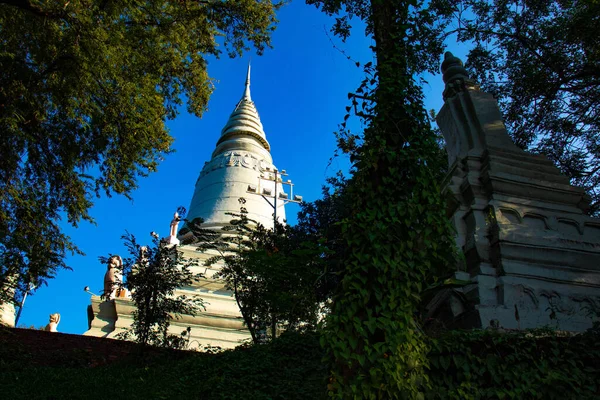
(241, 157)
(241, 160)
(531, 254)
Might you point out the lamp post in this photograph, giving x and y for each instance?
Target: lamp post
(87, 290)
(30, 288)
(274, 175)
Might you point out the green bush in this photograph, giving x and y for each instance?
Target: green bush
(288, 368)
(463, 365)
(525, 365)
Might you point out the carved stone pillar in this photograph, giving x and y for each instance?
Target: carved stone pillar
(531, 253)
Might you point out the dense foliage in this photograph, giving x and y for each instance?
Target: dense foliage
(287, 368)
(463, 365)
(85, 91)
(285, 270)
(318, 226)
(518, 365)
(541, 59)
(273, 273)
(153, 274)
(397, 235)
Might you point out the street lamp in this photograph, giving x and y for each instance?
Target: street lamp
(87, 290)
(30, 288)
(274, 175)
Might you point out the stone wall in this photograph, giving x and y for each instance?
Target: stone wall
(55, 349)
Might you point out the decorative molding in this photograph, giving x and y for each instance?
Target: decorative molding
(455, 76)
(235, 159)
(528, 292)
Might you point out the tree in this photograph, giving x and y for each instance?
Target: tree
(319, 225)
(85, 90)
(398, 237)
(289, 268)
(227, 249)
(153, 274)
(541, 59)
(273, 273)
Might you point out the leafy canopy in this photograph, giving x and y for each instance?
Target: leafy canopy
(319, 227)
(85, 91)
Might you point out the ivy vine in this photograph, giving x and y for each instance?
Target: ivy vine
(398, 237)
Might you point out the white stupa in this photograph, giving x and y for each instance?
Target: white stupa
(242, 155)
(241, 158)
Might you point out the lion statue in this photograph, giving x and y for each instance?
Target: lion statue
(54, 321)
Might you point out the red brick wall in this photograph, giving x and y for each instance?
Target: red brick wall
(61, 349)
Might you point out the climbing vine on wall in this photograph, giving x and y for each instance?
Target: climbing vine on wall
(398, 237)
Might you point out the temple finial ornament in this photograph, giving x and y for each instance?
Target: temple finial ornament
(175, 224)
(244, 120)
(247, 89)
(453, 68)
(172, 238)
(455, 75)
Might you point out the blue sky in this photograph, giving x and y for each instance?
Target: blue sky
(300, 89)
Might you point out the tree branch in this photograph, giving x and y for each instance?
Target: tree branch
(27, 6)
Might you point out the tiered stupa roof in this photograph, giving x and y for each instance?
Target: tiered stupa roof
(241, 156)
(245, 119)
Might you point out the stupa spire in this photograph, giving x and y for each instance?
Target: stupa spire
(247, 89)
(244, 120)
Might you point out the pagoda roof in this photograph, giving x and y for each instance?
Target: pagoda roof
(244, 120)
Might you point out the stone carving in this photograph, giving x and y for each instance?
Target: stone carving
(526, 297)
(143, 254)
(534, 221)
(113, 277)
(141, 261)
(569, 227)
(556, 303)
(53, 324)
(172, 238)
(508, 216)
(235, 159)
(589, 305)
(455, 76)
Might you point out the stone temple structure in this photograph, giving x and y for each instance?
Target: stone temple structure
(242, 154)
(531, 255)
(241, 159)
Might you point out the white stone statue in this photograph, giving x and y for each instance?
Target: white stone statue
(53, 324)
(140, 263)
(174, 224)
(172, 238)
(143, 254)
(113, 277)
